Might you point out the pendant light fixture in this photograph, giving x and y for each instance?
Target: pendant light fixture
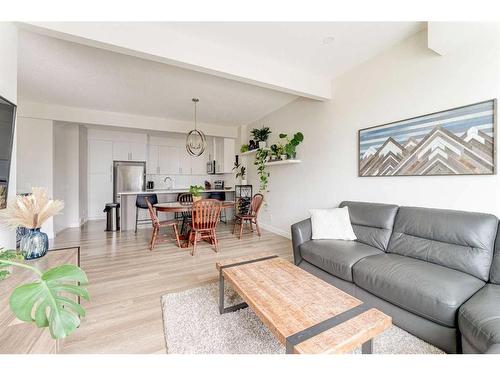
(196, 140)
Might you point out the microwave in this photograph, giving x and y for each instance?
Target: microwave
(211, 167)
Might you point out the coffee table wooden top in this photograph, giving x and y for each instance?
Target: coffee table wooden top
(289, 300)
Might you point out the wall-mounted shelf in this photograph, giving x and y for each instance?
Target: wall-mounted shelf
(251, 152)
(280, 162)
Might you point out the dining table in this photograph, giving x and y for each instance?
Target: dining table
(185, 207)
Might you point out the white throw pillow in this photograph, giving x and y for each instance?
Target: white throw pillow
(331, 224)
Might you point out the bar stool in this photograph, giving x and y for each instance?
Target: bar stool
(141, 203)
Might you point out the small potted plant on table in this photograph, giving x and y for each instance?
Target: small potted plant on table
(195, 191)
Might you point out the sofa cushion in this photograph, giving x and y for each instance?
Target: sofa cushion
(495, 265)
(479, 318)
(460, 240)
(336, 256)
(372, 222)
(426, 289)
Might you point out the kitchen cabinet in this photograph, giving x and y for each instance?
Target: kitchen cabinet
(185, 161)
(228, 156)
(168, 159)
(100, 192)
(199, 164)
(152, 164)
(132, 151)
(137, 151)
(100, 176)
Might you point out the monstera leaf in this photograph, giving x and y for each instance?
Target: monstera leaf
(49, 302)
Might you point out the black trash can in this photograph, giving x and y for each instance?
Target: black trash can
(112, 217)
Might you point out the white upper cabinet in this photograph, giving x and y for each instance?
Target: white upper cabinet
(185, 161)
(169, 159)
(138, 151)
(121, 151)
(132, 151)
(152, 166)
(228, 156)
(100, 156)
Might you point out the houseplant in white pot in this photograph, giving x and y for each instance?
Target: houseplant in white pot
(241, 172)
(261, 135)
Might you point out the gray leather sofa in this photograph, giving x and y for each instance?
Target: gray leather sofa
(434, 271)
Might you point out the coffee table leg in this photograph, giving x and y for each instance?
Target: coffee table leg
(367, 347)
(222, 309)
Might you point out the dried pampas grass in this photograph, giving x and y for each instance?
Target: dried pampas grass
(31, 211)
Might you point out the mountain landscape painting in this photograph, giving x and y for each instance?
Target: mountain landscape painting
(459, 141)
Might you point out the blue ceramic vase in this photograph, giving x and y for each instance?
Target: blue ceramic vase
(34, 244)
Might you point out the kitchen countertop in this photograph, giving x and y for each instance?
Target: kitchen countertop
(173, 191)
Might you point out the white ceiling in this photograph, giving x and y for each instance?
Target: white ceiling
(60, 72)
(301, 44)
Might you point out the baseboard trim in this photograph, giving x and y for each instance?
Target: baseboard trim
(275, 230)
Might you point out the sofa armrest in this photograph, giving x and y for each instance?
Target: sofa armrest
(301, 232)
(493, 349)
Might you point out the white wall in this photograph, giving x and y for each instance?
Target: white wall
(66, 174)
(82, 177)
(35, 157)
(8, 89)
(408, 80)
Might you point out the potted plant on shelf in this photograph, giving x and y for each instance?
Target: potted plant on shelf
(46, 301)
(31, 211)
(261, 135)
(195, 191)
(241, 172)
(278, 152)
(291, 144)
(244, 148)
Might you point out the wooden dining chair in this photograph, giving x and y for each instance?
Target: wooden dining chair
(157, 224)
(204, 217)
(187, 199)
(251, 216)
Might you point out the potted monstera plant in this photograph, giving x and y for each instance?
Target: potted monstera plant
(290, 147)
(47, 301)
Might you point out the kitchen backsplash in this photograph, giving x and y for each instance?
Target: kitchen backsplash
(180, 181)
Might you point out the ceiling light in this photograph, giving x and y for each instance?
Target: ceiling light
(196, 140)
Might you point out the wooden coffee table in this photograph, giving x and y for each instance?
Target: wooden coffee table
(305, 313)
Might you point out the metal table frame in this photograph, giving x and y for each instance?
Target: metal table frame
(306, 334)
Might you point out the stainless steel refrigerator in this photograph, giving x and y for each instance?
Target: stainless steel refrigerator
(128, 176)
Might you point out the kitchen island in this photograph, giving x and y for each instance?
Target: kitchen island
(127, 203)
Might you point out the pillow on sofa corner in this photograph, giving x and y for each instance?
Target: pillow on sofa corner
(331, 224)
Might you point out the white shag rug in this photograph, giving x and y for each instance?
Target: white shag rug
(193, 325)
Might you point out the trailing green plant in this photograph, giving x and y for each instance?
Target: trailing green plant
(42, 302)
(291, 144)
(196, 190)
(262, 134)
(260, 162)
(241, 170)
(244, 148)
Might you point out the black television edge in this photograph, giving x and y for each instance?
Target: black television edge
(7, 124)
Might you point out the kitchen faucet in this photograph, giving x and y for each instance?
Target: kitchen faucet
(171, 182)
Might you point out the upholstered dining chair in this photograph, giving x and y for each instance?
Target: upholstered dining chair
(251, 216)
(157, 224)
(204, 218)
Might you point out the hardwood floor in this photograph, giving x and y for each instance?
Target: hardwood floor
(126, 282)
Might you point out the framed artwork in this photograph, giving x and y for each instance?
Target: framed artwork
(459, 141)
